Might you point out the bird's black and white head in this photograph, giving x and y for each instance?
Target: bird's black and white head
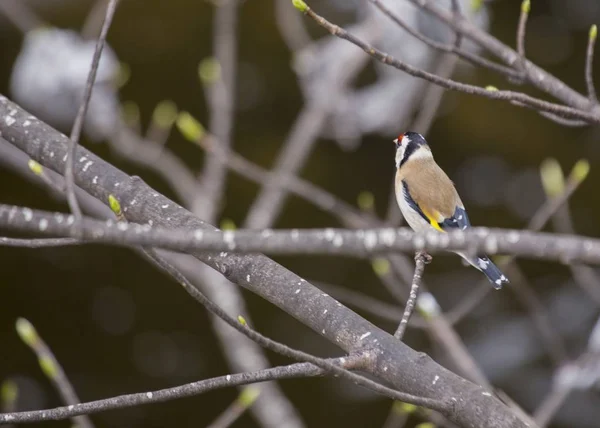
(411, 145)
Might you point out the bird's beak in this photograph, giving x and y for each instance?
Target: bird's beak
(396, 141)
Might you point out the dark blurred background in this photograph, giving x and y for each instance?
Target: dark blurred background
(118, 326)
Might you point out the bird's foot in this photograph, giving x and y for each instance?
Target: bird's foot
(423, 256)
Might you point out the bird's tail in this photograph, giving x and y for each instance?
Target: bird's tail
(489, 269)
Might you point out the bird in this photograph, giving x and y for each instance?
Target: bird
(428, 199)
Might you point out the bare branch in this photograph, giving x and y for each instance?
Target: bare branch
(420, 260)
(537, 76)
(81, 114)
(395, 362)
(589, 64)
(522, 28)
(51, 368)
(511, 96)
(38, 243)
(356, 243)
(453, 49)
(188, 390)
(342, 371)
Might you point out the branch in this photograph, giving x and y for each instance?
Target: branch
(51, 368)
(522, 28)
(589, 64)
(420, 260)
(395, 362)
(81, 114)
(158, 396)
(452, 49)
(511, 96)
(357, 243)
(535, 75)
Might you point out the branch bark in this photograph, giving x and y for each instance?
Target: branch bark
(406, 369)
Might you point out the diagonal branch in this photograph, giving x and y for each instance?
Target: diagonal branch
(511, 96)
(395, 362)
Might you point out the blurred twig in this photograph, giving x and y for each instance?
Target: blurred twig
(220, 90)
(451, 49)
(244, 401)
(20, 15)
(511, 96)
(522, 27)
(51, 368)
(589, 64)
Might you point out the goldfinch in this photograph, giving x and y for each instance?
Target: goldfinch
(428, 199)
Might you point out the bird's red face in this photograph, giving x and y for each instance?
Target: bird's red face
(399, 141)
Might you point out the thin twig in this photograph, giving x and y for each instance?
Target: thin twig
(20, 15)
(81, 114)
(241, 326)
(557, 109)
(291, 371)
(221, 101)
(420, 260)
(93, 21)
(38, 243)
(296, 185)
(522, 27)
(51, 368)
(534, 74)
(453, 49)
(589, 64)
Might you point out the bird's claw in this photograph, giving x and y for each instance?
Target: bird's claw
(424, 256)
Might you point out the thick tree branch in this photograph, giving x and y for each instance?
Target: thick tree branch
(395, 362)
(356, 243)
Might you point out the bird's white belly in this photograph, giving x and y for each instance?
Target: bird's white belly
(412, 217)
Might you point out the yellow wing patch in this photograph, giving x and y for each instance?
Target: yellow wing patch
(432, 219)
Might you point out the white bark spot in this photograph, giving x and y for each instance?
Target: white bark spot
(87, 165)
(370, 239)
(435, 379)
(43, 224)
(149, 395)
(26, 123)
(9, 120)
(228, 377)
(487, 394)
(325, 311)
(248, 278)
(364, 336)
(329, 234)
(27, 214)
(297, 291)
(95, 180)
(199, 234)
(165, 206)
(338, 241)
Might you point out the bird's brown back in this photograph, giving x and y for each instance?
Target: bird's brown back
(429, 187)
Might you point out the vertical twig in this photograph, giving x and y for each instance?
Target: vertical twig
(80, 118)
(522, 28)
(220, 90)
(421, 259)
(51, 368)
(589, 64)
